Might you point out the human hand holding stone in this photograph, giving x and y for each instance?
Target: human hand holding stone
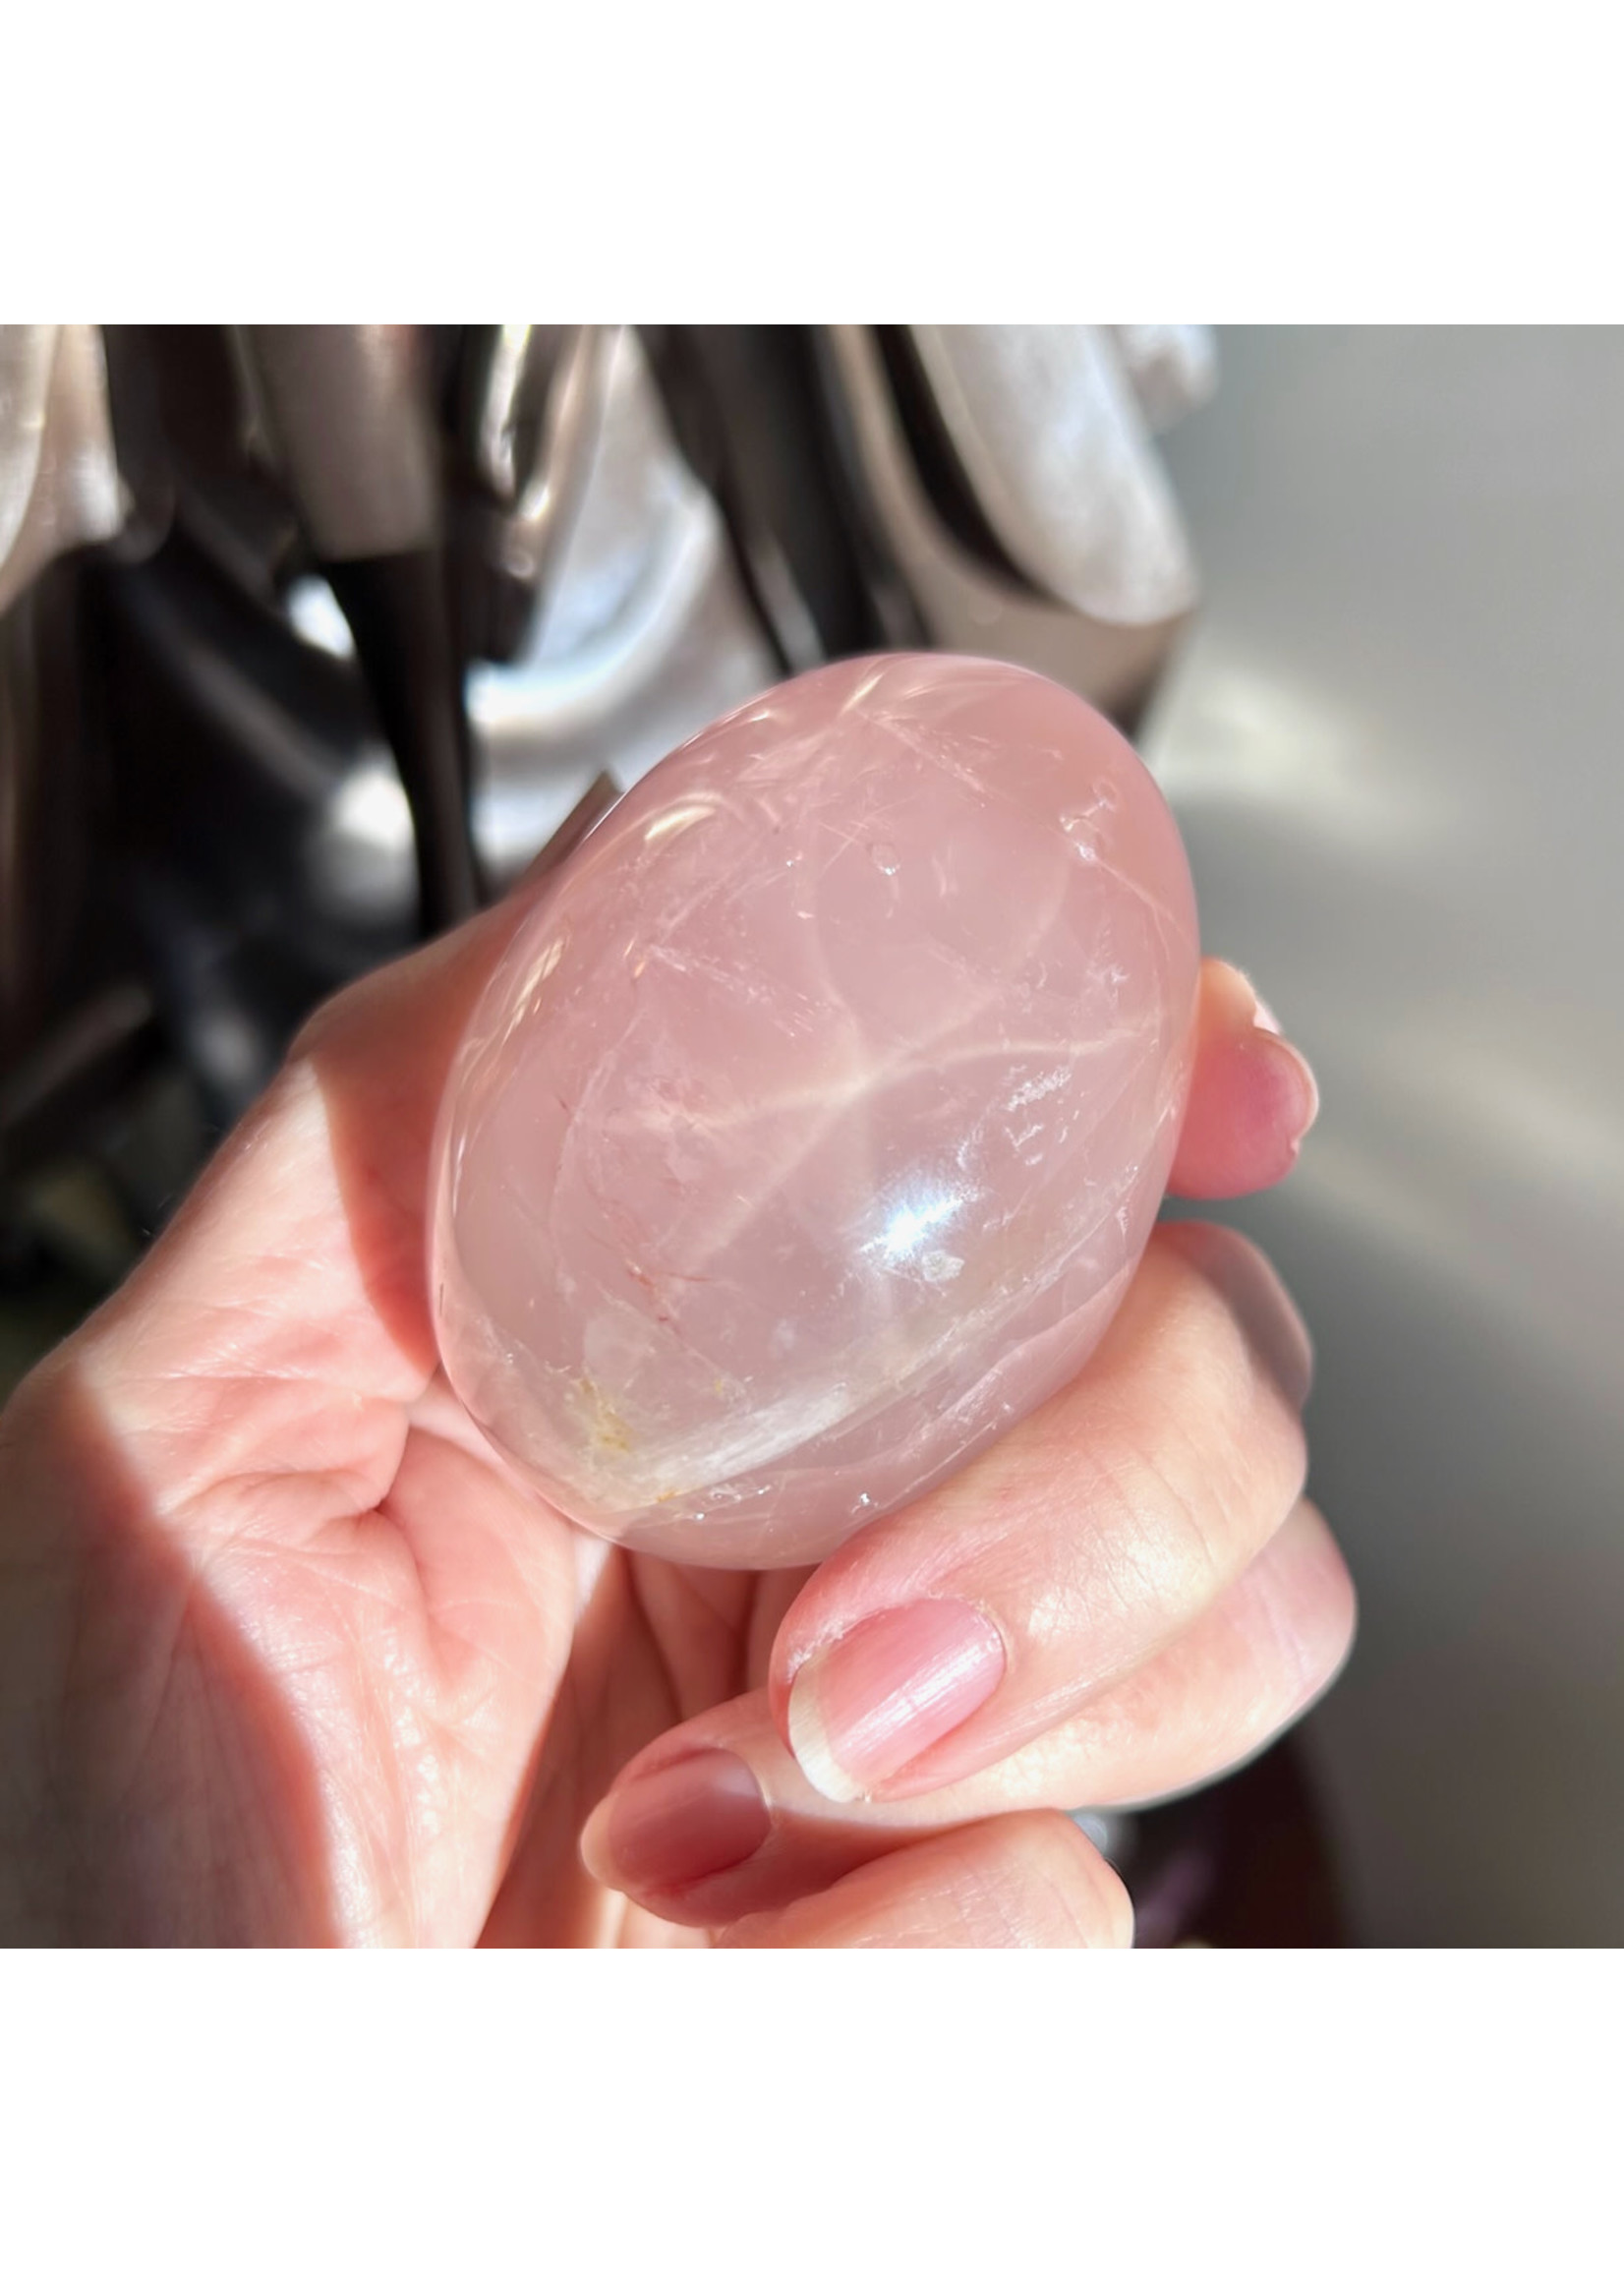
(288, 1653)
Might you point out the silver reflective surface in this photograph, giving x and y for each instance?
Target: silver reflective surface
(1395, 742)
(645, 634)
(545, 498)
(1024, 424)
(59, 484)
(1050, 432)
(344, 409)
(643, 638)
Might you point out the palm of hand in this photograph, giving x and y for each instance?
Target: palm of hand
(315, 1622)
(286, 1655)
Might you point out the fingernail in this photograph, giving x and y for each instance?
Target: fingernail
(1308, 1112)
(866, 1708)
(680, 1824)
(1262, 1015)
(1265, 1021)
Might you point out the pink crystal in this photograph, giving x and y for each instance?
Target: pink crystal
(811, 1128)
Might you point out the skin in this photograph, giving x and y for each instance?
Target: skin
(286, 1656)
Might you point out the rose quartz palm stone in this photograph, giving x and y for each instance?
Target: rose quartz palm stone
(811, 1128)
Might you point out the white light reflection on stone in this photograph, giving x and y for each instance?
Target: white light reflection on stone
(908, 1222)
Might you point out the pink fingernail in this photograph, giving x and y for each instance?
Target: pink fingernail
(866, 1708)
(679, 1824)
(1308, 1112)
(1307, 1088)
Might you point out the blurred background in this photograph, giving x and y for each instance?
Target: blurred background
(312, 636)
(1394, 742)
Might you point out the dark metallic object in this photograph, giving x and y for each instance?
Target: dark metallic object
(953, 462)
(373, 607)
(59, 484)
(345, 412)
(537, 404)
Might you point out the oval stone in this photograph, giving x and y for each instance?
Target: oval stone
(811, 1128)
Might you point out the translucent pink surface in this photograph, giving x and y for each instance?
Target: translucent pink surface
(810, 1129)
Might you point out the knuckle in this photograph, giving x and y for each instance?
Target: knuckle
(1195, 1499)
(1251, 1293)
(1296, 1614)
(314, 1036)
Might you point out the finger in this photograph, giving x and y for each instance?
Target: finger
(952, 1633)
(1221, 1693)
(1252, 1098)
(1023, 1882)
(715, 1819)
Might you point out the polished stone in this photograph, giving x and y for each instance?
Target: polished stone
(811, 1128)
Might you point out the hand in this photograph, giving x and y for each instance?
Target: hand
(287, 1657)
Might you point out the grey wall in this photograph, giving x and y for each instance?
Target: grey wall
(1396, 745)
